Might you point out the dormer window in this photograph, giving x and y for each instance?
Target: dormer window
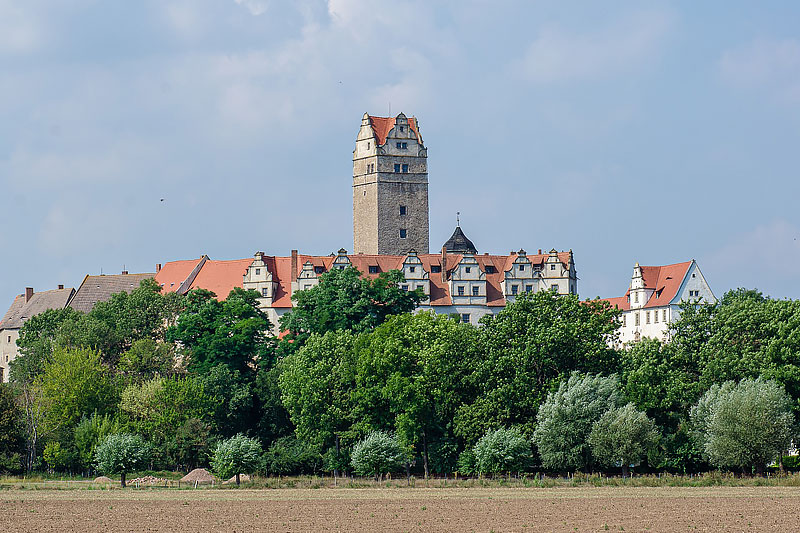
(402, 129)
(521, 268)
(552, 267)
(475, 290)
(490, 269)
(461, 290)
(373, 269)
(319, 270)
(514, 289)
(258, 271)
(436, 269)
(412, 269)
(467, 269)
(264, 292)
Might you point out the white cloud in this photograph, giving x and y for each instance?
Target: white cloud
(557, 55)
(769, 64)
(255, 7)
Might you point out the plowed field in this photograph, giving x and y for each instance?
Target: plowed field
(454, 509)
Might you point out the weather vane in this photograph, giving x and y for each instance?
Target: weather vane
(458, 218)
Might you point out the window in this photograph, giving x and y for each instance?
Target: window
(552, 267)
(404, 287)
(475, 290)
(421, 287)
(367, 146)
(397, 168)
(402, 210)
(402, 234)
(319, 270)
(490, 269)
(636, 297)
(528, 288)
(467, 269)
(624, 320)
(514, 289)
(694, 275)
(373, 269)
(436, 268)
(554, 288)
(306, 287)
(258, 271)
(647, 318)
(402, 146)
(664, 316)
(465, 318)
(402, 128)
(264, 292)
(655, 317)
(521, 268)
(461, 290)
(412, 269)
(405, 168)
(636, 316)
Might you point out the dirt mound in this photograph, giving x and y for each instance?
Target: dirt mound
(103, 479)
(148, 480)
(198, 475)
(243, 478)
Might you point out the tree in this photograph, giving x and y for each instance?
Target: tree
(377, 454)
(290, 455)
(234, 332)
(344, 300)
(415, 368)
(565, 419)
(121, 453)
(39, 336)
(744, 425)
(89, 433)
(236, 455)
(623, 436)
(11, 433)
(147, 359)
(235, 410)
(529, 347)
(502, 450)
(316, 384)
(75, 384)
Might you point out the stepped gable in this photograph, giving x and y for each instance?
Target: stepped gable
(96, 289)
(381, 126)
(458, 243)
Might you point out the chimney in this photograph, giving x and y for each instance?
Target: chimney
(540, 251)
(124, 272)
(60, 287)
(158, 268)
(294, 265)
(444, 264)
(28, 294)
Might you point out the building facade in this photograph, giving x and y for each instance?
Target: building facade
(653, 299)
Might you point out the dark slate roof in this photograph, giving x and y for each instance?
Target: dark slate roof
(459, 244)
(100, 288)
(20, 310)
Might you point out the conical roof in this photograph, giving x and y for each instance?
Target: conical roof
(459, 244)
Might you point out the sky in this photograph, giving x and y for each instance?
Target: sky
(651, 132)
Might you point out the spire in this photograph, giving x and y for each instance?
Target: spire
(459, 243)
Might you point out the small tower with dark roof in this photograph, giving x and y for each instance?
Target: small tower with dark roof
(458, 243)
(390, 187)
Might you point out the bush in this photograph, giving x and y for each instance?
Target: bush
(121, 453)
(288, 455)
(466, 462)
(502, 450)
(744, 426)
(377, 454)
(565, 420)
(623, 437)
(236, 455)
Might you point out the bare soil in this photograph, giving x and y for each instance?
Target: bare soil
(417, 509)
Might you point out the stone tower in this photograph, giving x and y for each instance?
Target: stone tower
(390, 187)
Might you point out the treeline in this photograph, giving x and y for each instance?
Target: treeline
(359, 379)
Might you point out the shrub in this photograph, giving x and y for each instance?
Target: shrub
(623, 437)
(502, 450)
(121, 453)
(377, 454)
(236, 455)
(288, 455)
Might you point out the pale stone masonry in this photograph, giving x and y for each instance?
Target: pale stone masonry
(390, 187)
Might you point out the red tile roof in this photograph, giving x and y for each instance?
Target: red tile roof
(220, 277)
(664, 281)
(381, 126)
(174, 273)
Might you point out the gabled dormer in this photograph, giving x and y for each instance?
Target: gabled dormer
(341, 261)
(259, 278)
(468, 281)
(416, 275)
(306, 278)
(520, 277)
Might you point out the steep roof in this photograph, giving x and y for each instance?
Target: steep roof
(20, 310)
(459, 243)
(664, 282)
(96, 289)
(173, 274)
(381, 126)
(221, 277)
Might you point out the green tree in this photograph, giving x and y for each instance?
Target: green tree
(75, 384)
(345, 300)
(39, 336)
(236, 455)
(121, 453)
(744, 425)
(623, 436)
(416, 368)
(290, 455)
(89, 433)
(235, 410)
(11, 432)
(502, 450)
(376, 454)
(528, 348)
(234, 332)
(147, 359)
(565, 419)
(316, 384)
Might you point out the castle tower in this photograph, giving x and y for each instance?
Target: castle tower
(390, 187)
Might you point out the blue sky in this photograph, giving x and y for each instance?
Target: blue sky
(627, 131)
